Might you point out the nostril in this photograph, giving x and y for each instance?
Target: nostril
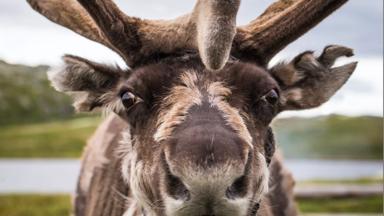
(176, 188)
(254, 209)
(238, 188)
(174, 185)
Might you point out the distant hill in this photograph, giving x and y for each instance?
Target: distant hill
(331, 136)
(26, 95)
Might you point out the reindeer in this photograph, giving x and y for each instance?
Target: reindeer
(192, 133)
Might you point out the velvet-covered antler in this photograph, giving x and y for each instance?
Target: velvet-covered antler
(210, 28)
(70, 14)
(282, 23)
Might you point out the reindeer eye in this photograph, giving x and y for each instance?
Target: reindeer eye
(271, 97)
(128, 99)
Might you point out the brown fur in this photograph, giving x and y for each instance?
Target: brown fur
(281, 184)
(98, 179)
(177, 104)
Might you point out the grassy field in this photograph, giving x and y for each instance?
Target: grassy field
(331, 137)
(26, 95)
(59, 205)
(65, 138)
(360, 181)
(345, 205)
(34, 205)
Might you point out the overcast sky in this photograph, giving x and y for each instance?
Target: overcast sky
(27, 37)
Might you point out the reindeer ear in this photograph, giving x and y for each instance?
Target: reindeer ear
(308, 82)
(91, 85)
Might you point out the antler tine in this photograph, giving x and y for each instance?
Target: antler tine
(216, 28)
(71, 14)
(210, 28)
(122, 31)
(283, 22)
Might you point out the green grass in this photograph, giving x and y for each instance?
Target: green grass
(34, 205)
(331, 137)
(360, 181)
(26, 95)
(59, 205)
(345, 205)
(64, 138)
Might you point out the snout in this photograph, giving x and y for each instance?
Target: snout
(208, 145)
(208, 172)
(213, 195)
(208, 168)
(227, 190)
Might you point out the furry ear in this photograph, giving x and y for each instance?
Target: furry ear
(91, 84)
(308, 82)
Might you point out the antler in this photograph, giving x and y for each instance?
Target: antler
(71, 14)
(210, 28)
(283, 22)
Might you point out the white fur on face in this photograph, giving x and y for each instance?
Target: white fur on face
(176, 105)
(182, 97)
(137, 177)
(210, 185)
(217, 98)
(263, 176)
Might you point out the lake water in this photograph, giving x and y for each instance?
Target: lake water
(60, 176)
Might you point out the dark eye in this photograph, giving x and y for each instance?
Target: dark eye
(271, 97)
(128, 99)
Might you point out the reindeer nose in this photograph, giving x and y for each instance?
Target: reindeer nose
(209, 145)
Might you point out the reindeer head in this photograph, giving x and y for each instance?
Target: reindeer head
(198, 96)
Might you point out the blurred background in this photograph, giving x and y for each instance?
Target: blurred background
(335, 151)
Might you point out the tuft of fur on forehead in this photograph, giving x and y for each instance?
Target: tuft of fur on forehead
(182, 97)
(217, 97)
(176, 105)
